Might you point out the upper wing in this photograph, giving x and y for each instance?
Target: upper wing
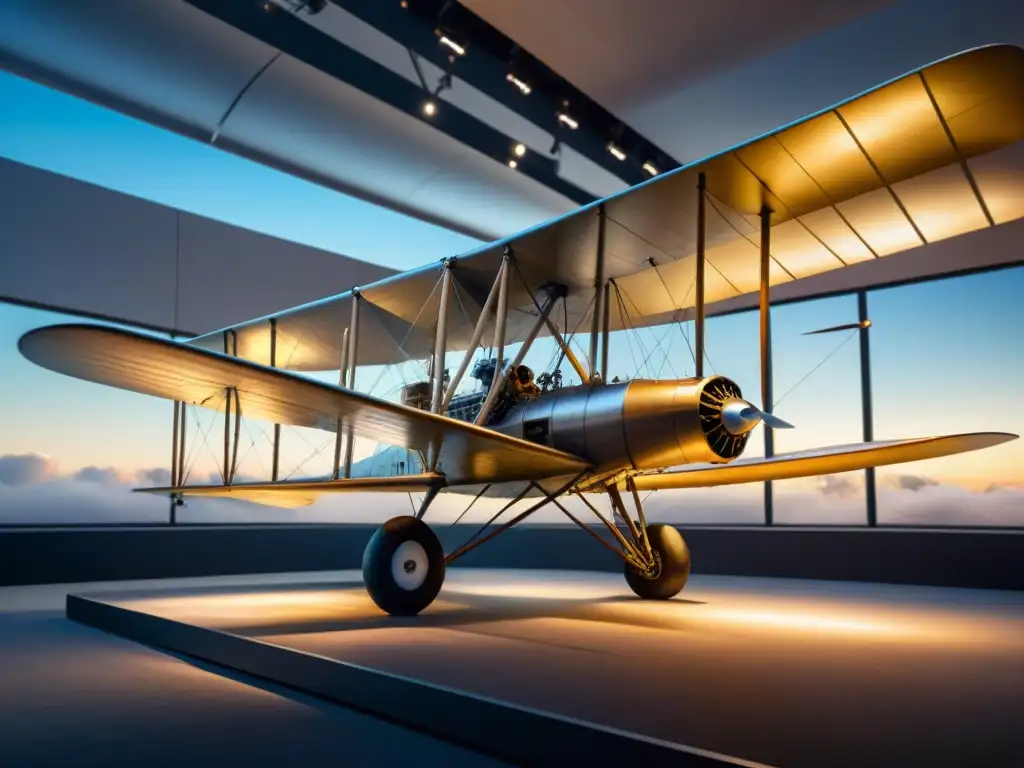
(819, 461)
(928, 156)
(467, 454)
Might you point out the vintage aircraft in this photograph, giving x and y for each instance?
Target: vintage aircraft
(910, 162)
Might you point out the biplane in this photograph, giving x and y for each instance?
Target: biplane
(915, 160)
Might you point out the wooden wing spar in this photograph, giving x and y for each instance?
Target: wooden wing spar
(928, 156)
(467, 454)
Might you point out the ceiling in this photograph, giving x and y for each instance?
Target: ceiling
(693, 77)
(626, 54)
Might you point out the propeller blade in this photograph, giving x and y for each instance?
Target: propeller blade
(774, 421)
(846, 327)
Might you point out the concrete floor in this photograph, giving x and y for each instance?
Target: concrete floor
(74, 696)
(784, 672)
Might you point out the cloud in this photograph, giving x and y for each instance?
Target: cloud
(32, 491)
(837, 485)
(101, 475)
(910, 482)
(26, 469)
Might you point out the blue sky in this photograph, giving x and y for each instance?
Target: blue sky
(946, 355)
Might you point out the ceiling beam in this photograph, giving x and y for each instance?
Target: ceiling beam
(490, 58)
(277, 27)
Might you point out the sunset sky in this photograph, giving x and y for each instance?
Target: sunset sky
(946, 356)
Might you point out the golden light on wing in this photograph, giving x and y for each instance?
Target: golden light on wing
(829, 226)
(879, 220)
(881, 122)
(826, 150)
(799, 251)
(942, 203)
(820, 461)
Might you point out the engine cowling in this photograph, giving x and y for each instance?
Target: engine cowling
(639, 424)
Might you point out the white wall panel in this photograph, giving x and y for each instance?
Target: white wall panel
(80, 248)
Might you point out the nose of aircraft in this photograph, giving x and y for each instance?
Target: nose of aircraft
(739, 417)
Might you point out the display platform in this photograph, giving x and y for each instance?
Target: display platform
(537, 667)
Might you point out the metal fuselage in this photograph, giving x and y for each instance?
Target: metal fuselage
(635, 425)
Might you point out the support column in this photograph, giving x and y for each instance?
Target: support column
(353, 360)
(866, 403)
(766, 352)
(276, 459)
(441, 339)
(599, 294)
(699, 282)
(499, 339)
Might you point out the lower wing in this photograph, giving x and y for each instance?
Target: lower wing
(467, 454)
(819, 461)
(290, 494)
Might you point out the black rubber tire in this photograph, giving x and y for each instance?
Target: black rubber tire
(670, 548)
(423, 550)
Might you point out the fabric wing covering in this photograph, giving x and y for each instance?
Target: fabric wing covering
(149, 365)
(934, 154)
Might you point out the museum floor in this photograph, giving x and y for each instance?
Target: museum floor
(780, 672)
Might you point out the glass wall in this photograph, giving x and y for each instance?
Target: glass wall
(817, 389)
(947, 357)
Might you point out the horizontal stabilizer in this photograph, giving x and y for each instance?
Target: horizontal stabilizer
(291, 494)
(820, 461)
(467, 454)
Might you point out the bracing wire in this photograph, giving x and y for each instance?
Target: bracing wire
(824, 360)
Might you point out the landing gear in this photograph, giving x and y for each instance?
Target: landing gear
(670, 569)
(403, 566)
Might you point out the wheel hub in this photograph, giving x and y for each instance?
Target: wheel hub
(410, 566)
(653, 571)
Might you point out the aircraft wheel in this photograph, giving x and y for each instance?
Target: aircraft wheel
(403, 566)
(672, 565)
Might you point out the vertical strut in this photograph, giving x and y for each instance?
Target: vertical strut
(227, 416)
(701, 233)
(276, 459)
(441, 339)
(353, 360)
(178, 407)
(766, 352)
(342, 376)
(606, 312)
(474, 342)
(499, 338)
(599, 295)
(174, 442)
(181, 448)
(499, 381)
(866, 404)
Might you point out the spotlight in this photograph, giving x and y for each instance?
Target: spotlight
(520, 84)
(513, 164)
(451, 45)
(404, 3)
(615, 152)
(567, 121)
(519, 149)
(649, 167)
(429, 108)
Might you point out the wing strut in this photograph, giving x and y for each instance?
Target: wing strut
(766, 351)
(350, 373)
(596, 324)
(699, 317)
